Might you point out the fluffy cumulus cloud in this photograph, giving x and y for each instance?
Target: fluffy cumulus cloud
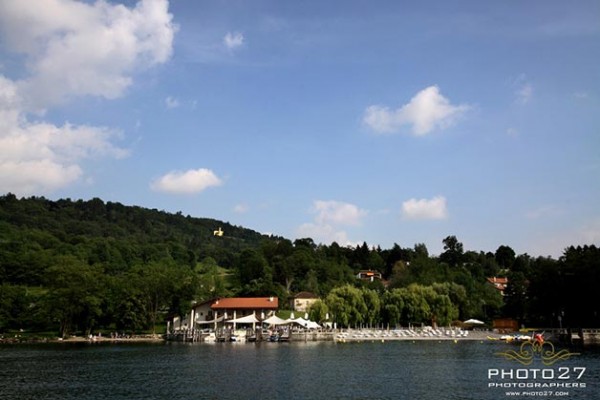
(419, 209)
(427, 111)
(74, 48)
(69, 49)
(324, 234)
(186, 182)
(337, 213)
(42, 157)
(330, 217)
(233, 40)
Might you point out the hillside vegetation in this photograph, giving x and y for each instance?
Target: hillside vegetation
(77, 266)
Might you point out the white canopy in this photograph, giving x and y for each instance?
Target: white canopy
(474, 322)
(313, 325)
(248, 319)
(299, 321)
(275, 320)
(304, 323)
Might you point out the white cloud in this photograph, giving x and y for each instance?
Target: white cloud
(338, 213)
(42, 157)
(171, 102)
(233, 40)
(434, 208)
(324, 234)
(330, 215)
(427, 110)
(69, 49)
(191, 181)
(74, 48)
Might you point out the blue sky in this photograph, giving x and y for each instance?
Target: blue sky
(385, 122)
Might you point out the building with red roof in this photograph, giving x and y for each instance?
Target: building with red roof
(499, 283)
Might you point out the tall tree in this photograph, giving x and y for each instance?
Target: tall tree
(75, 294)
(505, 257)
(453, 251)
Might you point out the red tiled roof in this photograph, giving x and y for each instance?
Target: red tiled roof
(237, 303)
(503, 281)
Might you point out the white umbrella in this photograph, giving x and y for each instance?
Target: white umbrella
(474, 322)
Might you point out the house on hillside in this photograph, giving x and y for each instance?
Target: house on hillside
(499, 284)
(369, 275)
(303, 300)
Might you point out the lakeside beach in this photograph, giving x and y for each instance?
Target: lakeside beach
(360, 335)
(344, 335)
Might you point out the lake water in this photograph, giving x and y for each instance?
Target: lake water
(314, 370)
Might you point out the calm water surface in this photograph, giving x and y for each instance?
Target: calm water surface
(391, 370)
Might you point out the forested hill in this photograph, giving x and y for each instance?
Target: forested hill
(76, 266)
(115, 235)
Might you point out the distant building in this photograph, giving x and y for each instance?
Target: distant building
(218, 310)
(236, 307)
(303, 300)
(369, 275)
(498, 283)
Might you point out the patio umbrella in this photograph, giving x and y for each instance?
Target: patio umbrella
(474, 322)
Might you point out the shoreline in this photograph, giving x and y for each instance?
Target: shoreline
(411, 335)
(80, 339)
(343, 336)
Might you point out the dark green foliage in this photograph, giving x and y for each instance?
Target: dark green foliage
(79, 266)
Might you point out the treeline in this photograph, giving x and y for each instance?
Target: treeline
(84, 265)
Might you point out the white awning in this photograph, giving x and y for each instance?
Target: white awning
(305, 323)
(275, 320)
(248, 319)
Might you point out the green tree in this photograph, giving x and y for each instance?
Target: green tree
(516, 295)
(13, 306)
(505, 257)
(75, 294)
(252, 266)
(347, 305)
(392, 306)
(373, 306)
(453, 251)
(318, 311)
